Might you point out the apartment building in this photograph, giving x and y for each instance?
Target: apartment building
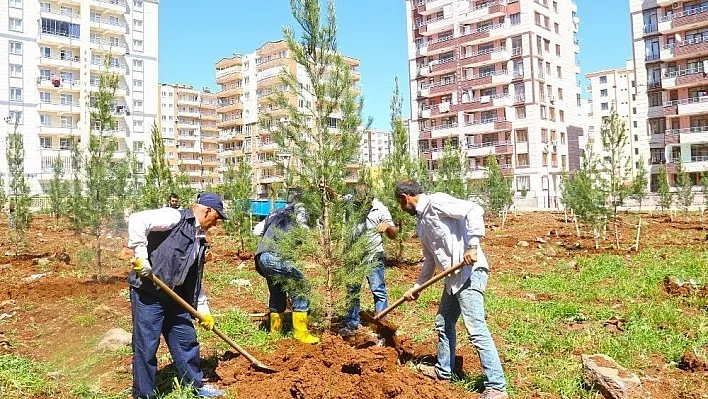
(248, 84)
(497, 77)
(617, 88)
(187, 122)
(51, 58)
(375, 146)
(670, 42)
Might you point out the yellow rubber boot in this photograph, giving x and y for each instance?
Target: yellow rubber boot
(276, 322)
(300, 326)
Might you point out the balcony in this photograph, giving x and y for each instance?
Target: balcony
(655, 112)
(484, 11)
(693, 105)
(493, 147)
(49, 36)
(444, 130)
(271, 179)
(113, 5)
(437, 25)
(62, 85)
(689, 135)
(121, 89)
(111, 46)
(230, 91)
(229, 123)
(60, 107)
(59, 129)
(188, 114)
(424, 92)
(685, 20)
(442, 87)
(696, 47)
(424, 113)
(498, 54)
(487, 79)
(443, 109)
(61, 62)
(440, 45)
(61, 15)
(668, 51)
(267, 163)
(484, 34)
(486, 125)
(684, 78)
(119, 68)
(108, 26)
(444, 65)
(229, 75)
(230, 107)
(501, 77)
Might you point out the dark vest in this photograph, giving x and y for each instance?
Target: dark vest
(278, 222)
(172, 256)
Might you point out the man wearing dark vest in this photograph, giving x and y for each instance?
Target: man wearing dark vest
(171, 244)
(280, 273)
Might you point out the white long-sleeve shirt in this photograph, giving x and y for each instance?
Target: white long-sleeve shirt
(447, 226)
(140, 224)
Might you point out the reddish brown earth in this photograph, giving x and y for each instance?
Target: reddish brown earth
(46, 325)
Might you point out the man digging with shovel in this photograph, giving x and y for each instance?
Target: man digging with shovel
(450, 230)
(171, 244)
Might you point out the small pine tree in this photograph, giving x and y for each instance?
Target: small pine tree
(639, 189)
(183, 188)
(499, 195)
(58, 192)
(449, 177)
(77, 208)
(159, 182)
(19, 193)
(582, 192)
(684, 192)
(666, 197)
(616, 168)
(237, 191)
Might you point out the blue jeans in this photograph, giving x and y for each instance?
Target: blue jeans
(283, 278)
(468, 302)
(154, 316)
(378, 289)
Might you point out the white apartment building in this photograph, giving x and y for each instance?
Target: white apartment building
(670, 43)
(51, 56)
(498, 77)
(617, 88)
(375, 146)
(187, 121)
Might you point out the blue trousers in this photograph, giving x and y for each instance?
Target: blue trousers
(283, 278)
(378, 290)
(154, 316)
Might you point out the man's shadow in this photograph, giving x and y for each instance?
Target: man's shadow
(167, 378)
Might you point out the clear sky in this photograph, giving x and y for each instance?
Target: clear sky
(194, 37)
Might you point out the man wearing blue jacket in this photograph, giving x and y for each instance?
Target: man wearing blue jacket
(170, 244)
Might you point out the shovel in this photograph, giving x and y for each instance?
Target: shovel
(255, 362)
(385, 328)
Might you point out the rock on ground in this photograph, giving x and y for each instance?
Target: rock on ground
(609, 378)
(115, 339)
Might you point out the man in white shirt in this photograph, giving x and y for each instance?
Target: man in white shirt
(171, 244)
(376, 221)
(450, 230)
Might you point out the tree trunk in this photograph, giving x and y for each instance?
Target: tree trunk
(504, 217)
(326, 240)
(596, 236)
(98, 255)
(639, 232)
(565, 215)
(577, 228)
(617, 237)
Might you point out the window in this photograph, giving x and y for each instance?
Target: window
(603, 93)
(604, 106)
(64, 143)
(138, 84)
(560, 94)
(138, 45)
(15, 48)
(15, 25)
(555, 7)
(603, 79)
(138, 24)
(137, 104)
(558, 50)
(138, 123)
(67, 121)
(521, 112)
(515, 19)
(45, 97)
(138, 4)
(559, 71)
(634, 110)
(138, 146)
(66, 99)
(522, 136)
(45, 142)
(523, 182)
(15, 94)
(45, 120)
(635, 125)
(16, 3)
(561, 115)
(556, 27)
(15, 71)
(16, 117)
(45, 7)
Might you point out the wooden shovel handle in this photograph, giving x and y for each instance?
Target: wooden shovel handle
(425, 285)
(199, 317)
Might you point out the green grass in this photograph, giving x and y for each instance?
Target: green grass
(242, 330)
(21, 377)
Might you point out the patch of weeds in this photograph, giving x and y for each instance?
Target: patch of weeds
(469, 382)
(85, 320)
(178, 391)
(83, 391)
(240, 328)
(21, 377)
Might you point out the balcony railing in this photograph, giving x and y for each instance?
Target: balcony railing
(488, 144)
(485, 121)
(685, 101)
(684, 14)
(699, 158)
(697, 129)
(112, 2)
(430, 21)
(487, 74)
(101, 21)
(63, 12)
(695, 40)
(683, 72)
(483, 52)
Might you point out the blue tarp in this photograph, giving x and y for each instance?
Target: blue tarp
(262, 207)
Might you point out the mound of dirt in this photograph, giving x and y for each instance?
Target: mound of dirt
(676, 287)
(332, 369)
(690, 361)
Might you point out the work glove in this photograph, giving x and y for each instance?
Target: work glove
(142, 266)
(207, 321)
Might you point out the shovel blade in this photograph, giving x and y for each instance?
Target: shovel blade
(383, 327)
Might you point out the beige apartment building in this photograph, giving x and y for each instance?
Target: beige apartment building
(498, 77)
(247, 85)
(54, 53)
(187, 122)
(670, 42)
(617, 88)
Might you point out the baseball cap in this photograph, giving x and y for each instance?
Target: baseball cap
(212, 201)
